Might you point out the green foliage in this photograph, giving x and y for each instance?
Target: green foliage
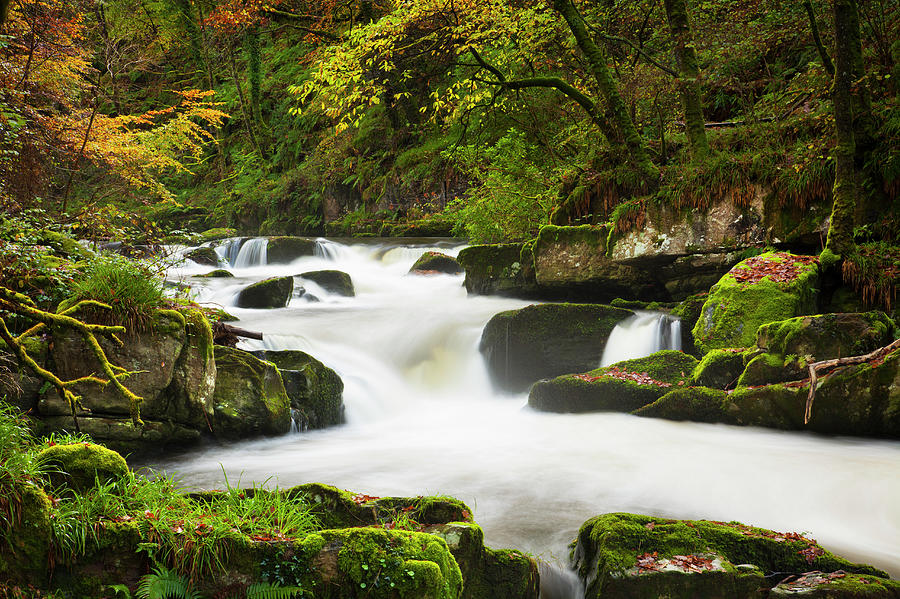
(514, 196)
(163, 583)
(132, 289)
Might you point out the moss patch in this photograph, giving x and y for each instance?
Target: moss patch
(827, 336)
(697, 404)
(79, 466)
(719, 369)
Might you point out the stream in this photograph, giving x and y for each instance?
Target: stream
(423, 419)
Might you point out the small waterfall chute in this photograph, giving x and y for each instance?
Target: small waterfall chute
(229, 249)
(252, 253)
(640, 335)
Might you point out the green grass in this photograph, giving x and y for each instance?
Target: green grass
(131, 288)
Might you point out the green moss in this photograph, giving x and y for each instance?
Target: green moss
(203, 255)
(218, 233)
(79, 466)
(570, 393)
(497, 269)
(274, 292)
(697, 404)
(584, 234)
(827, 336)
(282, 250)
(199, 333)
(436, 261)
(667, 366)
(766, 369)
(249, 396)
(719, 368)
(219, 273)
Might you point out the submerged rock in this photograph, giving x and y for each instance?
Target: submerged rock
(622, 387)
(545, 340)
(630, 555)
(332, 281)
(316, 391)
(249, 398)
(436, 262)
(268, 293)
(203, 255)
(282, 250)
(759, 290)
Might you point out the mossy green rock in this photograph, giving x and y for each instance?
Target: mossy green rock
(316, 391)
(827, 336)
(282, 250)
(63, 245)
(80, 466)
(25, 550)
(332, 281)
(546, 340)
(121, 435)
(689, 311)
(735, 310)
(249, 398)
(217, 233)
(219, 273)
(436, 262)
(837, 585)
(502, 269)
(622, 387)
(268, 293)
(767, 369)
(696, 404)
(719, 369)
(643, 557)
(203, 255)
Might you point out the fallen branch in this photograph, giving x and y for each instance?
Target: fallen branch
(227, 335)
(815, 367)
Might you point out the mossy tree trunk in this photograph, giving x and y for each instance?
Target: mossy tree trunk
(254, 70)
(688, 77)
(245, 109)
(846, 179)
(817, 39)
(618, 110)
(191, 29)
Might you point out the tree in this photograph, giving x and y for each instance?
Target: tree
(688, 77)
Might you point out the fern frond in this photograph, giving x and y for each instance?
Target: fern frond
(163, 583)
(268, 590)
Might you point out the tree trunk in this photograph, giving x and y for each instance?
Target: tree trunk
(688, 77)
(617, 108)
(248, 117)
(817, 39)
(254, 70)
(4, 10)
(846, 184)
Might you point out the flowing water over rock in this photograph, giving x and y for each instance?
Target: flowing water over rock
(641, 335)
(423, 419)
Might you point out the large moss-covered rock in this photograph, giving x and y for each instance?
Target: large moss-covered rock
(316, 391)
(332, 281)
(696, 404)
(766, 369)
(121, 435)
(27, 537)
(436, 262)
(217, 233)
(502, 269)
(720, 368)
(268, 293)
(827, 336)
(249, 397)
(644, 557)
(546, 340)
(763, 289)
(836, 585)
(574, 259)
(219, 273)
(282, 250)
(81, 466)
(621, 387)
(203, 255)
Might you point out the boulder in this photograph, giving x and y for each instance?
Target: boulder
(436, 262)
(572, 261)
(827, 336)
(28, 537)
(720, 368)
(332, 281)
(836, 585)
(546, 340)
(82, 466)
(315, 391)
(283, 250)
(689, 311)
(249, 398)
(637, 556)
(268, 293)
(203, 255)
(122, 436)
(759, 290)
(696, 404)
(217, 233)
(502, 269)
(219, 273)
(621, 387)
(765, 369)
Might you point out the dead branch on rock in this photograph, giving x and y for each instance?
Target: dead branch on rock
(826, 365)
(227, 335)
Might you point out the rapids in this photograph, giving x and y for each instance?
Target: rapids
(422, 418)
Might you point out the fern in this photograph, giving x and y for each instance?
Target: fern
(165, 584)
(266, 590)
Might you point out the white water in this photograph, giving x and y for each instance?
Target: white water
(641, 335)
(423, 419)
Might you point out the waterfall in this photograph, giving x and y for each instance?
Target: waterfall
(641, 335)
(228, 251)
(253, 253)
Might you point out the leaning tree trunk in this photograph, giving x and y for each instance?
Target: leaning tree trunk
(4, 9)
(846, 185)
(618, 110)
(688, 77)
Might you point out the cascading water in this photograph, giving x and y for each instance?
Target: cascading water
(424, 419)
(252, 253)
(641, 335)
(229, 250)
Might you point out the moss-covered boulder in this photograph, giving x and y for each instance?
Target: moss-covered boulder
(249, 398)
(62, 245)
(696, 404)
(836, 585)
(573, 261)
(81, 466)
(268, 293)
(637, 556)
(503, 269)
(332, 281)
(436, 262)
(217, 233)
(203, 255)
(720, 368)
(316, 391)
(219, 273)
(546, 340)
(283, 250)
(27, 535)
(766, 369)
(621, 387)
(763, 289)
(827, 336)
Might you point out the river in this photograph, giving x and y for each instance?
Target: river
(423, 419)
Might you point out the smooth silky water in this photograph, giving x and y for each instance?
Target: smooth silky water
(422, 419)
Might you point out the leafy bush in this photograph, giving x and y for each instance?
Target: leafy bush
(131, 288)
